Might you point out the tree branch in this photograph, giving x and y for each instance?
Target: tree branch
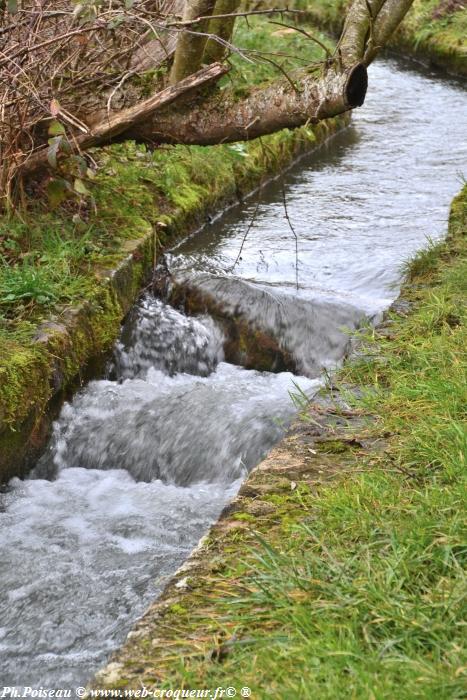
(221, 27)
(390, 16)
(191, 45)
(118, 123)
(222, 119)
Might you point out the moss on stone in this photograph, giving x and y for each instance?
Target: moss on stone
(332, 446)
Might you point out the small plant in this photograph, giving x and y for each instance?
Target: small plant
(425, 261)
(26, 282)
(45, 277)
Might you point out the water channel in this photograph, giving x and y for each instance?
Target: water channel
(142, 462)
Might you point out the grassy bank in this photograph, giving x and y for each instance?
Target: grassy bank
(437, 31)
(60, 301)
(433, 30)
(339, 572)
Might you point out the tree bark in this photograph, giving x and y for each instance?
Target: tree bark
(190, 46)
(222, 119)
(357, 29)
(223, 28)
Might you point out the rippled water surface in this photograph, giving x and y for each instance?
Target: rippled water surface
(142, 462)
(360, 205)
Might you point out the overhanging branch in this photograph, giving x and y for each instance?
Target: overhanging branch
(390, 16)
(266, 110)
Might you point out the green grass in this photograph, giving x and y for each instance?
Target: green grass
(44, 276)
(273, 50)
(356, 588)
(448, 28)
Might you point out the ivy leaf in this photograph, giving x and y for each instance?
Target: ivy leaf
(53, 149)
(80, 187)
(56, 128)
(66, 146)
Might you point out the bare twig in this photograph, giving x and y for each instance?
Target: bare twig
(248, 229)
(305, 33)
(286, 215)
(246, 14)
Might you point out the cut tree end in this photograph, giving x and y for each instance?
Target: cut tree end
(356, 86)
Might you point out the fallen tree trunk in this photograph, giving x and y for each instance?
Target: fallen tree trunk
(338, 85)
(179, 114)
(264, 111)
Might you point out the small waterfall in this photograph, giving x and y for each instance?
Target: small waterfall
(314, 331)
(175, 412)
(156, 336)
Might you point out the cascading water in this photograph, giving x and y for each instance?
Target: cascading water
(150, 424)
(158, 337)
(141, 463)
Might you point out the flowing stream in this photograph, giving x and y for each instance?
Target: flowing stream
(141, 463)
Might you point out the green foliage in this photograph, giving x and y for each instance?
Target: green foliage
(271, 50)
(25, 282)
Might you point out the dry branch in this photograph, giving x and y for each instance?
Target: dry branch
(80, 57)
